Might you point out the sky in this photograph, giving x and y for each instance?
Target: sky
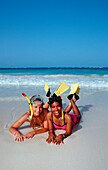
(53, 33)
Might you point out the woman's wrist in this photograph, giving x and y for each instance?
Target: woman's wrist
(15, 133)
(51, 131)
(64, 135)
(34, 132)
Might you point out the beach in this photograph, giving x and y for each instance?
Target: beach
(85, 149)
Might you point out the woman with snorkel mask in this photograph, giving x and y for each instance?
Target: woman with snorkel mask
(39, 119)
(57, 119)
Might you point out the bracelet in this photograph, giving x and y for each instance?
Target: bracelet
(15, 132)
(50, 130)
(64, 135)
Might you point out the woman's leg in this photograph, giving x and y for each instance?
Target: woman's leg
(75, 110)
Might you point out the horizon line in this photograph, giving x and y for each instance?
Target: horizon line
(53, 67)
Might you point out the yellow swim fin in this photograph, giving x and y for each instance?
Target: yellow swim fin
(61, 88)
(75, 89)
(47, 89)
(78, 90)
(77, 93)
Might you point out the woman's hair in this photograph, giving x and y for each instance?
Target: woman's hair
(55, 99)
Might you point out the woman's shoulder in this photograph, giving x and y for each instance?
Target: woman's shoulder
(49, 114)
(45, 111)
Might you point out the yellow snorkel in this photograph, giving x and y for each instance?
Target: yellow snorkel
(29, 104)
(62, 114)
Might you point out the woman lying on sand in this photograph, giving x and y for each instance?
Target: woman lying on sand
(54, 118)
(39, 119)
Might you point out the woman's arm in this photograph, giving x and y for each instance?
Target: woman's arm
(14, 128)
(38, 131)
(68, 122)
(51, 137)
(46, 105)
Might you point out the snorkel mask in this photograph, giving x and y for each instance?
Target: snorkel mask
(32, 102)
(36, 100)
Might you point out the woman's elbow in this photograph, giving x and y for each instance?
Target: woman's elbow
(10, 129)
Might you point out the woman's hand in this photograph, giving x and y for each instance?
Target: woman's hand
(30, 135)
(59, 139)
(51, 138)
(20, 137)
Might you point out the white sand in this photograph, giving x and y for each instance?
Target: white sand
(85, 149)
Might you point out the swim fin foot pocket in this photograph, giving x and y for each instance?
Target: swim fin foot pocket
(48, 93)
(70, 96)
(76, 96)
(54, 95)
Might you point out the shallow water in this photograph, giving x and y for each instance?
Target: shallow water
(32, 80)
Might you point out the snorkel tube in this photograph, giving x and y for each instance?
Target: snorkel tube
(29, 104)
(62, 110)
(62, 114)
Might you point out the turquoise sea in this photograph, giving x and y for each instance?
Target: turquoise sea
(13, 81)
(55, 71)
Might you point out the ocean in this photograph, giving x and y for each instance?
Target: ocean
(14, 81)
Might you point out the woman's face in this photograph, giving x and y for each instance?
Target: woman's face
(37, 108)
(56, 109)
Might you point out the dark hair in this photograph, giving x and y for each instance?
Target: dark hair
(55, 99)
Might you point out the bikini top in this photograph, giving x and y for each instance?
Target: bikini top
(74, 120)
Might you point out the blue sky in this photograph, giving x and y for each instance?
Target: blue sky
(48, 33)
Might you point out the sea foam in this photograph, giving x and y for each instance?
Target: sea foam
(54, 80)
